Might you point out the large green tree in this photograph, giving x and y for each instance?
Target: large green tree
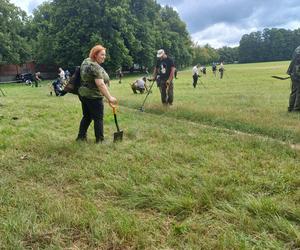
(204, 54)
(173, 37)
(131, 31)
(42, 38)
(228, 54)
(14, 45)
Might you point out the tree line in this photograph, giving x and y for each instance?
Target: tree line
(268, 45)
(261, 46)
(62, 32)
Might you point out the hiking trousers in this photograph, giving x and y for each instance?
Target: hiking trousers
(195, 80)
(166, 92)
(294, 101)
(92, 109)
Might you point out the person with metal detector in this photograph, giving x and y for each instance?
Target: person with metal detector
(214, 68)
(119, 74)
(203, 70)
(195, 75)
(165, 69)
(91, 92)
(221, 70)
(294, 72)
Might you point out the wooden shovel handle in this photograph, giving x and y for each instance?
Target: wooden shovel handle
(114, 107)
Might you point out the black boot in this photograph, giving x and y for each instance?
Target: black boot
(99, 140)
(81, 138)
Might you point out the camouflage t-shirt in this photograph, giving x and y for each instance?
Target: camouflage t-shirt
(89, 71)
(294, 67)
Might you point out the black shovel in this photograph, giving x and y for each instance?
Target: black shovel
(118, 136)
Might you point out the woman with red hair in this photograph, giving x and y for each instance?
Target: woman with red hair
(91, 92)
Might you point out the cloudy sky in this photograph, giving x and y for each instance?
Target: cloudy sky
(223, 22)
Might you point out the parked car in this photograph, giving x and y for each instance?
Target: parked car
(24, 77)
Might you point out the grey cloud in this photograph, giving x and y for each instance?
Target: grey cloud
(278, 15)
(223, 22)
(220, 35)
(200, 14)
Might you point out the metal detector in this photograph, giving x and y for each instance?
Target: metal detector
(148, 92)
(2, 92)
(201, 82)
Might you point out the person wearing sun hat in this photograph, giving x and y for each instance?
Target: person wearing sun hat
(165, 70)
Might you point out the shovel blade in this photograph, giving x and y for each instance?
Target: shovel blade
(118, 136)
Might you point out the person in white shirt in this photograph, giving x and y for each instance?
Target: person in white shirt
(62, 76)
(195, 75)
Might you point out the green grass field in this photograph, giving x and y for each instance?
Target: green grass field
(217, 170)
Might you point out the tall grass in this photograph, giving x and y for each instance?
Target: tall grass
(214, 171)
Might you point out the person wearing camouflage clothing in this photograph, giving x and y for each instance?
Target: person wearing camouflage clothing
(294, 72)
(91, 92)
(221, 70)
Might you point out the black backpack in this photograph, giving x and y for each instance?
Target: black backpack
(74, 83)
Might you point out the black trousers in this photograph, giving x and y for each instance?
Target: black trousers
(221, 73)
(92, 109)
(36, 83)
(195, 78)
(294, 101)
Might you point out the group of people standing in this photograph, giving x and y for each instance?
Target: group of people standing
(214, 68)
(94, 88)
(196, 68)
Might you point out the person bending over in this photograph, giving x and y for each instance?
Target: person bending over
(139, 85)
